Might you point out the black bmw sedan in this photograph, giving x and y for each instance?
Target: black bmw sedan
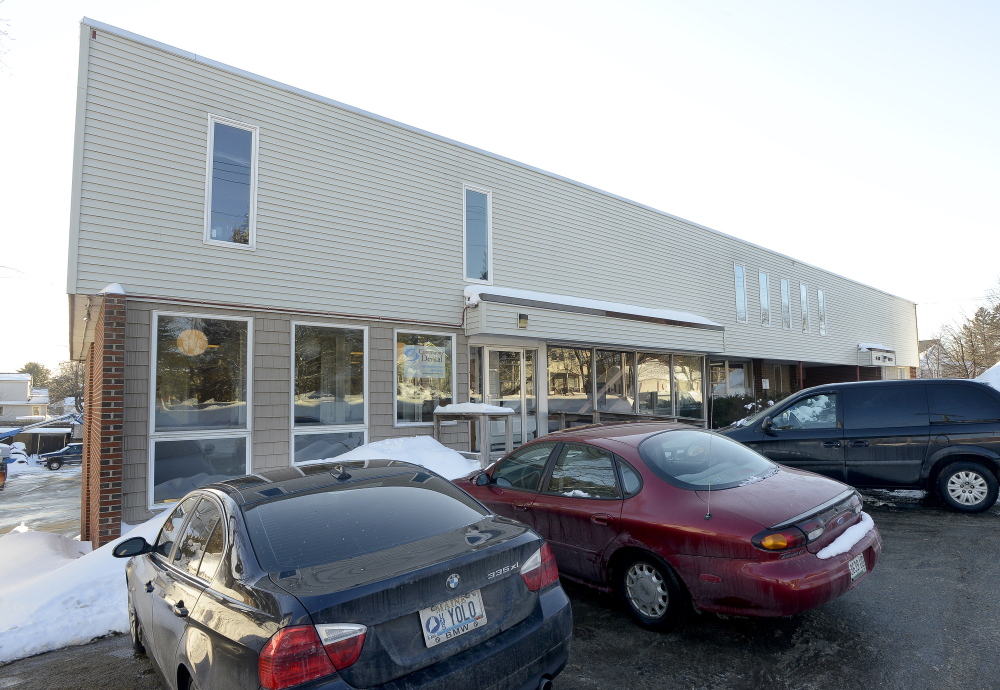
(378, 574)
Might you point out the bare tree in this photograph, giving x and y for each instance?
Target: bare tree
(971, 346)
(68, 383)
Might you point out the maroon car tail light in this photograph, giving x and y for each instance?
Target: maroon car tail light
(779, 540)
(540, 570)
(292, 656)
(343, 642)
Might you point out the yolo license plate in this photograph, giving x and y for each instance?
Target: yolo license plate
(857, 566)
(452, 618)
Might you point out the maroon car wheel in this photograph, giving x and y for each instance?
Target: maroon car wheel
(651, 592)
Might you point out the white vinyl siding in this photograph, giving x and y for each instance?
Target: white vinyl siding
(360, 216)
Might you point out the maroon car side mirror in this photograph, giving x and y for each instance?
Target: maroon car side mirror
(482, 479)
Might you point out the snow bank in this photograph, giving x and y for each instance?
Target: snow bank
(851, 536)
(477, 408)
(991, 377)
(420, 450)
(54, 594)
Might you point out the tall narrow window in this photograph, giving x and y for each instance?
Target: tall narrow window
(765, 299)
(786, 305)
(804, 306)
(231, 185)
(821, 305)
(478, 235)
(741, 293)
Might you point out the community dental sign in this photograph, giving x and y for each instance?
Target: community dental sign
(424, 362)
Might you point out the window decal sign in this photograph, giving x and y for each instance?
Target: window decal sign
(424, 362)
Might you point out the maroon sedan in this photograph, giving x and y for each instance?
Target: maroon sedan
(666, 514)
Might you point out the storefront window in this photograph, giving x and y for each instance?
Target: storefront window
(570, 373)
(654, 383)
(201, 373)
(730, 378)
(615, 381)
(687, 380)
(325, 445)
(424, 375)
(182, 465)
(329, 375)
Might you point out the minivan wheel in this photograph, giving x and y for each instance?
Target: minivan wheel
(968, 487)
(651, 592)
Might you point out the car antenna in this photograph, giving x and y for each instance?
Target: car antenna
(708, 510)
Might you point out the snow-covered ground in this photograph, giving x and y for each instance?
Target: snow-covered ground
(56, 592)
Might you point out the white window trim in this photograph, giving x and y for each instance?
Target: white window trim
(154, 436)
(489, 234)
(313, 429)
(805, 316)
(821, 311)
(255, 131)
(786, 304)
(395, 374)
(764, 292)
(736, 282)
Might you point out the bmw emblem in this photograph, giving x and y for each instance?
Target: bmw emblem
(840, 521)
(453, 581)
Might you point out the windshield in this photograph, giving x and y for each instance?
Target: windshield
(696, 460)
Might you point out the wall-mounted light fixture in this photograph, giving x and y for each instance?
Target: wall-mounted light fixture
(522, 320)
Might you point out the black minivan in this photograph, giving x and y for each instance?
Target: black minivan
(932, 434)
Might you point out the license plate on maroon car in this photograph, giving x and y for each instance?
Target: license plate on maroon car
(857, 566)
(452, 618)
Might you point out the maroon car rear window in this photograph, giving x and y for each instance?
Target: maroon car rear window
(696, 460)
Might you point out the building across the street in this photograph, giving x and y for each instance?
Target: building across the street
(261, 276)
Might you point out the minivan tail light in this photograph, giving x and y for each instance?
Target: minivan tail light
(292, 656)
(540, 569)
(779, 540)
(343, 642)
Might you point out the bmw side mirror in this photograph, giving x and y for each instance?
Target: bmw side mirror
(131, 547)
(482, 479)
(767, 424)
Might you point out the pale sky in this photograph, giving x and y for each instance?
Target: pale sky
(858, 136)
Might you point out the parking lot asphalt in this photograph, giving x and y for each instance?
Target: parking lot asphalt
(45, 500)
(926, 617)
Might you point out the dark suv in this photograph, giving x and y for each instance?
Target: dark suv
(70, 455)
(934, 434)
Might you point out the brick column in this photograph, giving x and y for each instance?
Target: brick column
(101, 504)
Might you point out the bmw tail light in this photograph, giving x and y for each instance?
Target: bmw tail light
(779, 540)
(540, 570)
(292, 656)
(343, 642)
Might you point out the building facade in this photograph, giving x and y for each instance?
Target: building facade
(261, 276)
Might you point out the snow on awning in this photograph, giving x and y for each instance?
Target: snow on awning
(864, 347)
(542, 300)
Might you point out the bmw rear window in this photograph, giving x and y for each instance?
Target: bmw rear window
(316, 528)
(696, 460)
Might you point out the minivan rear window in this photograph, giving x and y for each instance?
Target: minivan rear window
(953, 403)
(305, 530)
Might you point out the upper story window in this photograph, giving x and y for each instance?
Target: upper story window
(804, 306)
(765, 299)
(741, 293)
(231, 185)
(821, 305)
(786, 305)
(478, 235)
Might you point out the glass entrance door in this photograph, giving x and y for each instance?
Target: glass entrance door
(510, 382)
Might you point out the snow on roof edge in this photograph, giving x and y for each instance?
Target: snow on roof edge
(473, 295)
(112, 289)
(864, 347)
